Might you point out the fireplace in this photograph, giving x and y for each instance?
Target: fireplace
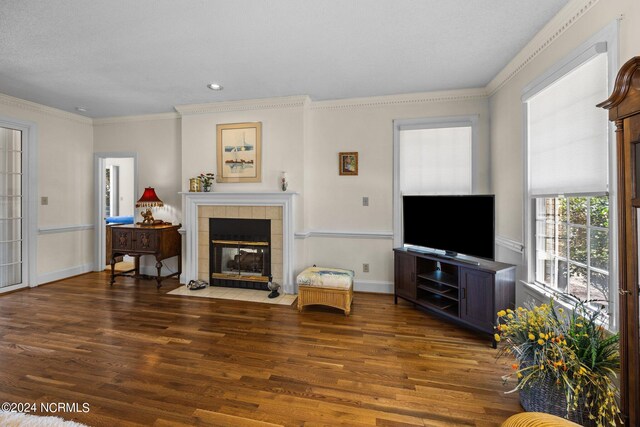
(240, 252)
(276, 206)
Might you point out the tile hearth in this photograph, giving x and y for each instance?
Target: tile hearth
(249, 295)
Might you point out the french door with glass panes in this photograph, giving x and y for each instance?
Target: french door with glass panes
(11, 208)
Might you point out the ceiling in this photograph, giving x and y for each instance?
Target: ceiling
(123, 57)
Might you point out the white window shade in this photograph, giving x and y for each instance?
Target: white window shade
(567, 133)
(435, 161)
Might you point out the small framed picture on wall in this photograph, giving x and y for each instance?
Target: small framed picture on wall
(348, 163)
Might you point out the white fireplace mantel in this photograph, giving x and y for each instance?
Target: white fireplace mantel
(192, 201)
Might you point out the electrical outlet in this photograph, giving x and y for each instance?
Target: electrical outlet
(365, 201)
(44, 201)
(365, 268)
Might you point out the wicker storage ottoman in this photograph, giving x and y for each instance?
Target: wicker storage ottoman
(326, 286)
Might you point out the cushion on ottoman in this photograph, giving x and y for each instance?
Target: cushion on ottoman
(326, 277)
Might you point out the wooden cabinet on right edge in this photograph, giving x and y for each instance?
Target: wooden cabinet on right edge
(468, 294)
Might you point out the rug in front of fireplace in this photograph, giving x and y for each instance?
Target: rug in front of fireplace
(249, 295)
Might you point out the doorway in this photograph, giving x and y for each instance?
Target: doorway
(116, 195)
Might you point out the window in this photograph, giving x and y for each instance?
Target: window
(572, 246)
(432, 156)
(435, 160)
(569, 205)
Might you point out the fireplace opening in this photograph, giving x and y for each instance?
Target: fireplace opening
(239, 252)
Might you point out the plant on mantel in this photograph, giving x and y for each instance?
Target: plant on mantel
(566, 362)
(207, 180)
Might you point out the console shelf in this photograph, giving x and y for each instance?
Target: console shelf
(441, 278)
(466, 293)
(436, 289)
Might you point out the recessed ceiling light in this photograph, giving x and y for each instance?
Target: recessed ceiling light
(215, 86)
(81, 109)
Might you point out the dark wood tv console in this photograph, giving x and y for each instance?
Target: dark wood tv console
(467, 293)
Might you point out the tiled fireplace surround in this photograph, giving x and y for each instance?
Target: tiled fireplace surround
(275, 206)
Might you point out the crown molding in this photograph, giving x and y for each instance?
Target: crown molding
(244, 105)
(560, 23)
(139, 118)
(402, 99)
(12, 101)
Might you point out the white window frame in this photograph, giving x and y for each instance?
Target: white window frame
(29, 200)
(606, 40)
(427, 123)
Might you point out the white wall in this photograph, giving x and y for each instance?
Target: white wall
(304, 138)
(282, 142)
(506, 107)
(126, 190)
(334, 202)
(64, 175)
(156, 140)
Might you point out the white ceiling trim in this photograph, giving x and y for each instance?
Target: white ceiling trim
(243, 105)
(560, 23)
(43, 109)
(138, 118)
(301, 101)
(402, 99)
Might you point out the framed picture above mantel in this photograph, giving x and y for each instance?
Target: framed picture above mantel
(239, 151)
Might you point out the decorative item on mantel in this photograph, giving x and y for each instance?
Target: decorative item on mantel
(195, 185)
(284, 181)
(149, 200)
(207, 181)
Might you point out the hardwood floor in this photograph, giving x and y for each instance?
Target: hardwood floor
(140, 357)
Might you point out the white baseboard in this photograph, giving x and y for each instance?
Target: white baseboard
(13, 288)
(63, 274)
(374, 286)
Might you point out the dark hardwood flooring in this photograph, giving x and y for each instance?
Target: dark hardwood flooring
(140, 357)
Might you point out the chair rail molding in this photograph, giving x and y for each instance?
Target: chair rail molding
(513, 245)
(345, 234)
(53, 229)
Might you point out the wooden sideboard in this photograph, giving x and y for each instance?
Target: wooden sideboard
(161, 241)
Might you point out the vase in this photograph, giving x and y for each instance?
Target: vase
(206, 188)
(545, 395)
(195, 184)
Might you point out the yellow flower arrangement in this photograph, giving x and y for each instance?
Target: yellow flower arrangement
(570, 349)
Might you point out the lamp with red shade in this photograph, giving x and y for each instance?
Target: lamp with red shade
(149, 200)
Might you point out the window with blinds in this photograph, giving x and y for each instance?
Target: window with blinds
(567, 133)
(568, 182)
(436, 160)
(10, 207)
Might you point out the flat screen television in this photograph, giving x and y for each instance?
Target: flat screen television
(453, 224)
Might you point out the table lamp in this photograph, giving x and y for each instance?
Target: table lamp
(149, 200)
